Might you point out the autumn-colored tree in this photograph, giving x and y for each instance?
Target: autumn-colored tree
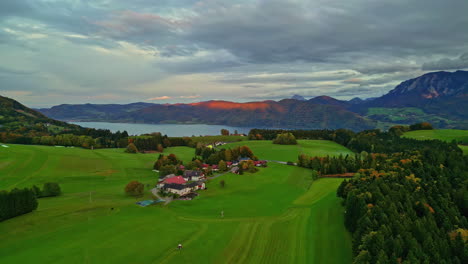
(160, 148)
(131, 148)
(224, 132)
(134, 188)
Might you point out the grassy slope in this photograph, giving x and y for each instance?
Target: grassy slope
(270, 217)
(265, 149)
(441, 134)
(183, 153)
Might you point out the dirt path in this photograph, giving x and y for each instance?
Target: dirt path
(167, 200)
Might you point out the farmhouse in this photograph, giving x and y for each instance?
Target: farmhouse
(196, 185)
(171, 180)
(193, 175)
(179, 189)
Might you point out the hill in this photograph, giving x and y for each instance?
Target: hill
(286, 113)
(19, 119)
(93, 112)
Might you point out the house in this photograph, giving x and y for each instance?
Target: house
(215, 168)
(244, 159)
(180, 189)
(188, 196)
(170, 180)
(229, 164)
(260, 163)
(196, 185)
(193, 175)
(235, 170)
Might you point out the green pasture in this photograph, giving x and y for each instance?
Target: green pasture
(183, 153)
(442, 134)
(265, 149)
(277, 215)
(218, 138)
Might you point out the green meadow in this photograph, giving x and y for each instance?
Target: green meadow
(265, 149)
(277, 215)
(442, 134)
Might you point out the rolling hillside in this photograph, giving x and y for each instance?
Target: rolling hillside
(273, 216)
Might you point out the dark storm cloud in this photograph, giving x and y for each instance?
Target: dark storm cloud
(447, 64)
(290, 77)
(275, 47)
(324, 31)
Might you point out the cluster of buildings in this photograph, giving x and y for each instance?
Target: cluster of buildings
(184, 185)
(193, 180)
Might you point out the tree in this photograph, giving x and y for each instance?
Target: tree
(167, 169)
(421, 126)
(285, 139)
(134, 188)
(222, 183)
(131, 148)
(222, 166)
(160, 148)
(50, 189)
(224, 132)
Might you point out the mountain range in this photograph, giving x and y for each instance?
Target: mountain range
(438, 97)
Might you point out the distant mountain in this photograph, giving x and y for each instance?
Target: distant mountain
(355, 100)
(298, 97)
(94, 112)
(287, 113)
(327, 100)
(19, 119)
(443, 93)
(440, 97)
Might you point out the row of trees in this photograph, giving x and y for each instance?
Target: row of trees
(212, 156)
(78, 137)
(49, 189)
(17, 202)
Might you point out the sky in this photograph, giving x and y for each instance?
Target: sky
(162, 51)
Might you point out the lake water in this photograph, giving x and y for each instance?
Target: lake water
(172, 130)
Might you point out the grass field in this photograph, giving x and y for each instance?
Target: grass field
(442, 134)
(270, 217)
(212, 139)
(265, 149)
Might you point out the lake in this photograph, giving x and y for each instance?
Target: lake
(172, 130)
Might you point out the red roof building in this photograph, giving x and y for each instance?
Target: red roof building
(175, 179)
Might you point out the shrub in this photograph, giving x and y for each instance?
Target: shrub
(50, 189)
(134, 188)
(421, 126)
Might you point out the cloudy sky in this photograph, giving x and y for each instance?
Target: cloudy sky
(122, 51)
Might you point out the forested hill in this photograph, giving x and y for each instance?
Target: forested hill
(22, 125)
(17, 118)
